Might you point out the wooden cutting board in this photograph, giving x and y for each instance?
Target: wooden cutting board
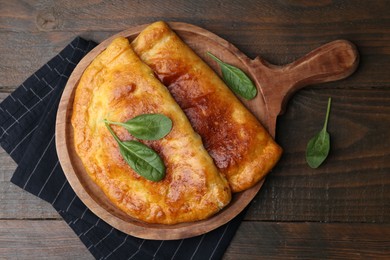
(276, 84)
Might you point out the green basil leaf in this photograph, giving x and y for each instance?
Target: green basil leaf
(147, 126)
(236, 79)
(142, 159)
(318, 148)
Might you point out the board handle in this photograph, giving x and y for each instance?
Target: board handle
(332, 61)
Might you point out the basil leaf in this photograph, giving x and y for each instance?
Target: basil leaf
(236, 79)
(318, 147)
(147, 126)
(145, 161)
(142, 159)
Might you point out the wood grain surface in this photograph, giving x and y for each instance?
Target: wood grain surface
(341, 209)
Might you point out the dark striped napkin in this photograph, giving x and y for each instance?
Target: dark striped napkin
(27, 121)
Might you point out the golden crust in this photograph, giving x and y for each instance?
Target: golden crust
(118, 86)
(241, 148)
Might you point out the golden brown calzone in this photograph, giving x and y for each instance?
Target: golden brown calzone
(118, 86)
(241, 148)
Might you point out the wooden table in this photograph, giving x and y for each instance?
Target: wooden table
(340, 210)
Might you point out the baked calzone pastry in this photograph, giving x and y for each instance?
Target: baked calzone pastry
(240, 146)
(118, 86)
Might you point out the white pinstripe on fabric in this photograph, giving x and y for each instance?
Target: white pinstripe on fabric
(177, 249)
(47, 179)
(112, 229)
(90, 246)
(155, 253)
(59, 191)
(24, 138)
(40, 159)
(61, 74)
(76, 47)
(219, 241)
(72, 222)
(71, 202)
(11, 96)
(71, 62)
(25, 113)
(89, 229)
(23, 105)
(75, 221)
(136, 252)
(47, 65)
(119, 246)
(36, 76)
(14, 118)
(197, 247)
(85, 211)
(4, 132)
(59, 55)
(40, 99)
(47, 83)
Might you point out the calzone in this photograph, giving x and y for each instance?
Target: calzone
(118, 86)
(241, 148)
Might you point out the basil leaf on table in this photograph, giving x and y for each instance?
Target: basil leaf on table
(236, 79)
(142, 159)
(147, 126)
(318, 147)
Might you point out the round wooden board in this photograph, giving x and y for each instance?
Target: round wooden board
(266, 106)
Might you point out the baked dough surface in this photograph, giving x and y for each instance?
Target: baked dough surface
(241, 148)
(118, 86)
